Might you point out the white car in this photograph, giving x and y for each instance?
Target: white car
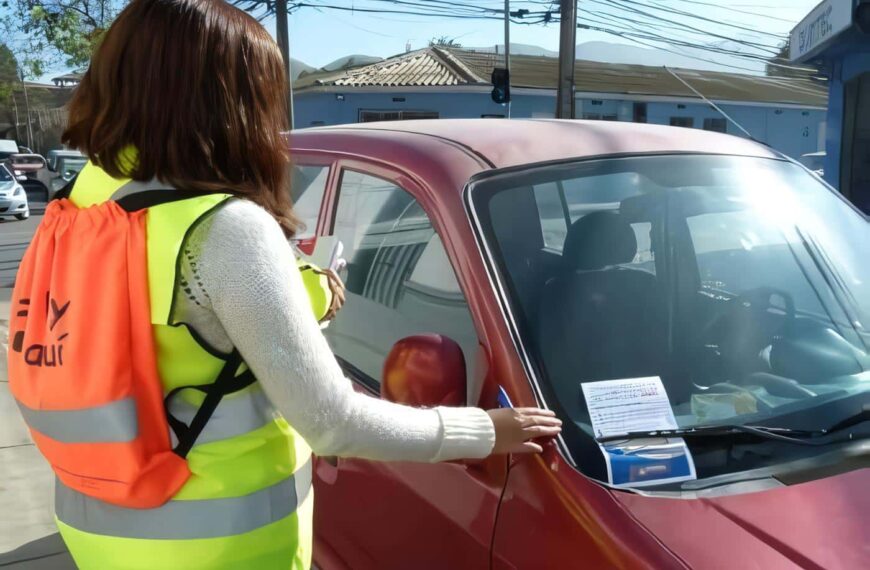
(13, 198)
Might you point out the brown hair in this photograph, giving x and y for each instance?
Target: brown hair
(198, 88)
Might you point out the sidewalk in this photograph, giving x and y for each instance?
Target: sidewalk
(28, 535)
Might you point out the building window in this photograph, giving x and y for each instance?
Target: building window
(369, 116)
(639, 113)
(688, 122)
(717, 125)
(600, 117)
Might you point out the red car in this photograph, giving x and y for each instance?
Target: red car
(694, 307)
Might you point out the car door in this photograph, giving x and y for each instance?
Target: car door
(400, 282)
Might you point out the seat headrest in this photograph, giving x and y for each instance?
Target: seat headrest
(597, 240)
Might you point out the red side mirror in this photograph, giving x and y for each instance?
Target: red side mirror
(306, 245)
(425, 370)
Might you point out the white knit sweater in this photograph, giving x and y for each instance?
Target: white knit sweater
(240, 287)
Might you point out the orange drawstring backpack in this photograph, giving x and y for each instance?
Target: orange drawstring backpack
(82, 358)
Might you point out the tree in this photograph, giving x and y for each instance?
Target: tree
(8, 74)
(444, 41)
(47, 32)
(781, 65)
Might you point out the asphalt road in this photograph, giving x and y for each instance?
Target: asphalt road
(14, 238)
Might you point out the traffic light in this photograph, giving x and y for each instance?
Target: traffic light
(501, 86)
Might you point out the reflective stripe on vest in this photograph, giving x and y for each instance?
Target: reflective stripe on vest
(110, 423)
(208, 518)
(116, 422)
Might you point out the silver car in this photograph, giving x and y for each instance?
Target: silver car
(13, 198)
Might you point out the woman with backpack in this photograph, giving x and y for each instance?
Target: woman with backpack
(164, 350)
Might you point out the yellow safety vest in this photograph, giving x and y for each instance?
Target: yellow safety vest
(248, 503)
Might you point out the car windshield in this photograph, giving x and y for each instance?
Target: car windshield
(742, 283)
(5, 176)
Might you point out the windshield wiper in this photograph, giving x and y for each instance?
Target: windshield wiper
(776, 433)
(852, 420)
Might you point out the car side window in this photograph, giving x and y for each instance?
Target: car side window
(399, 278)
(307, 186)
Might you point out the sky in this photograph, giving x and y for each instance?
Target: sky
(320, 36)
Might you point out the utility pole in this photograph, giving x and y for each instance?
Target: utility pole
(283, 33)
(29, 130)
(15, 106)
(567, 51)
(507, 48)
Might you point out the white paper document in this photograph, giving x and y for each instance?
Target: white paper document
(618, 407)
(327, 252)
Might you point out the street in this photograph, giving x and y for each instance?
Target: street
(14, 237)
(29, 539)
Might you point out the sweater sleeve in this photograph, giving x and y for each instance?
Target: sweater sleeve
(248, 273)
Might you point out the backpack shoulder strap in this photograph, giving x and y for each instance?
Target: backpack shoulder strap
(135, 196)
(64, 193)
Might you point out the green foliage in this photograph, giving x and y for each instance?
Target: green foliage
(444, 41)
(781, 65)
(51, 32)
(8, 74)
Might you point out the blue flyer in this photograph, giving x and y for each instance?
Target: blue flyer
(618, 407)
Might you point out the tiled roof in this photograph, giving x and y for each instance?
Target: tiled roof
(443, 67)
(426, 67)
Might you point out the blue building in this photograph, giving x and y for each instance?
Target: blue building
(835, 36)
(786, 113)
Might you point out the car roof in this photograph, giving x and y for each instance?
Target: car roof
(499, 143)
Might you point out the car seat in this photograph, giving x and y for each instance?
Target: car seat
(598, 319)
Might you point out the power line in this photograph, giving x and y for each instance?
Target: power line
(676, 11)
(631, 8)
(736, 10)
(634, 21)
(649, 36)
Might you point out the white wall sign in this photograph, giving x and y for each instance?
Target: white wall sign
(826, 21)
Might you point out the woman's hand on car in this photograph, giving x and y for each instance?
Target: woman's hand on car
(517, 428)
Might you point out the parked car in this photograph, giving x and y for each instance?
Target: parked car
(33, 167)
(526, 262)
(13, 198)
(8, 147)
(27, 163)
(67, 167)
(55, 155)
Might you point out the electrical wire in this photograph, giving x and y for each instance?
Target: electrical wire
(631, 20)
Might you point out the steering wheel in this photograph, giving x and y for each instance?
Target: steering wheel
(740, 332)
(753, 298)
